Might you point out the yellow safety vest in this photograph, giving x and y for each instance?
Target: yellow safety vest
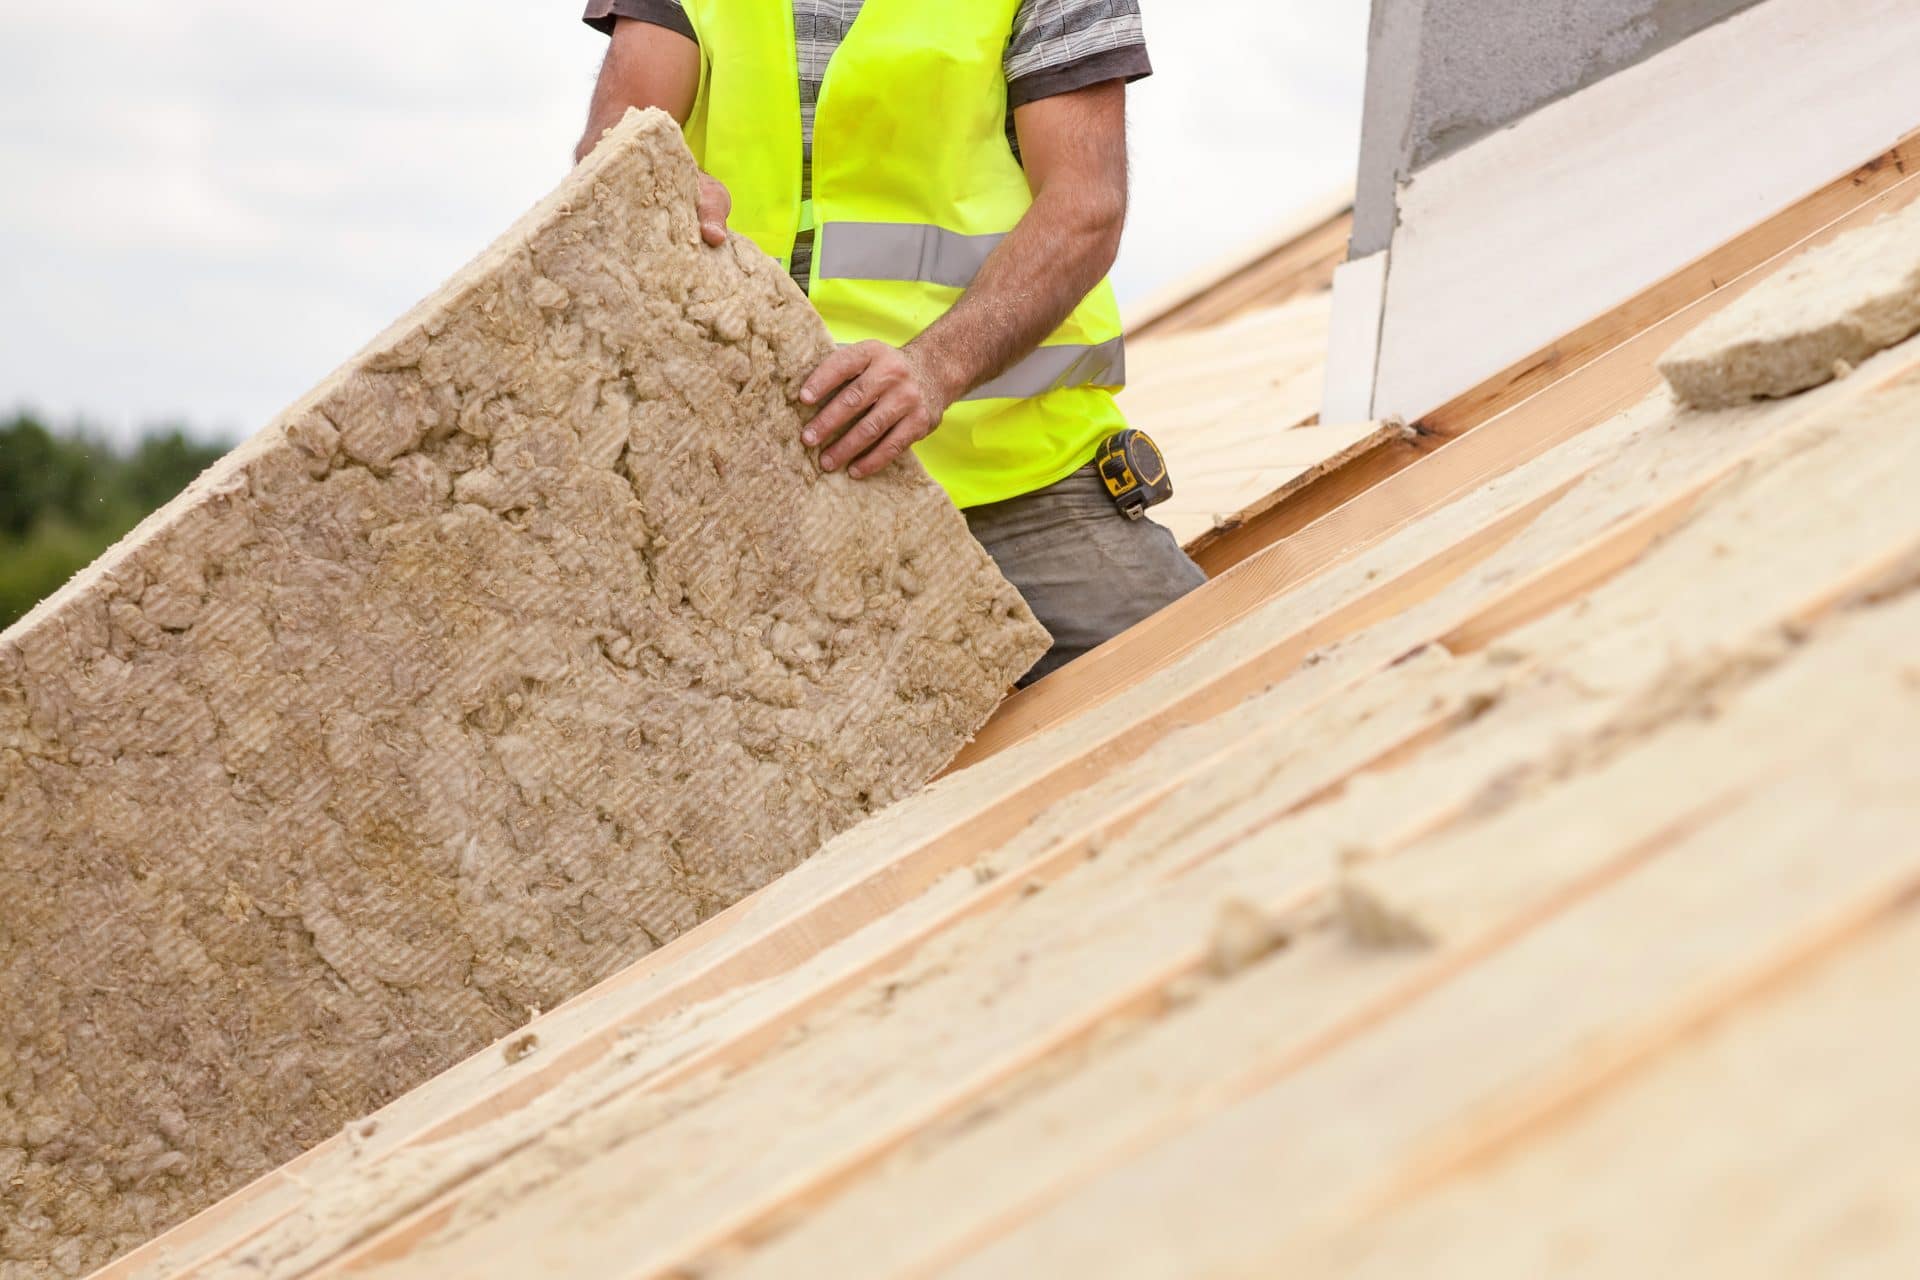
(914, 184)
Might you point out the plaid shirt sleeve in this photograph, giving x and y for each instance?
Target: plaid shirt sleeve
(1057, 46)
(601, 14)
(1062, 45)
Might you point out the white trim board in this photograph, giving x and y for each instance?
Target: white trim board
(1353, 339)
(1528, 234)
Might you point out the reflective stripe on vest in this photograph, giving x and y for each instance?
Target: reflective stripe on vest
(903, 251)
(1056, 369)
(914, 186)
(934, 255)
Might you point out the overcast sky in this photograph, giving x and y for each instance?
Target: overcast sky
(208, 204)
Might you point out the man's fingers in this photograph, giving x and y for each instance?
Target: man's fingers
(904, 435)
(867, 432)
(839, 382)
(715, 204)
(870, 392)
(842, 411)
(835, 370)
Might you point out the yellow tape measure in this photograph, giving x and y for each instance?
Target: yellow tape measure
(1135, 472)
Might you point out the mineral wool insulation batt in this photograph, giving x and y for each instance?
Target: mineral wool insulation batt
(530, 639)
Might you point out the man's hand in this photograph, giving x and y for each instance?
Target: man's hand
(716, 202)
(876, 402)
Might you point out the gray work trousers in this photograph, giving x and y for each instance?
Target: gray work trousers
(1087, 572)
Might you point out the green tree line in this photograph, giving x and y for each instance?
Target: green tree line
(67, 493)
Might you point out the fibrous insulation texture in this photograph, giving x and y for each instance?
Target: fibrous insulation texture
(1837, 306)
(528, 641)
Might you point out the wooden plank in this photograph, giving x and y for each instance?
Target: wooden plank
(1295, 506)
(1799, 226)
(1708, 539)
(1589, 395)
(641, 1226)
(809, 930)
(1559, 584)
(1251, 466)
(1579, 651)
(1710, 445)
(1025, 715)
(1786, 1138)
(1296, 258)
(1227, 406)
(1153, 1091)
(1679, 938)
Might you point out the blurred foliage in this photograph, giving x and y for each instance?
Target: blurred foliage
(66, 494)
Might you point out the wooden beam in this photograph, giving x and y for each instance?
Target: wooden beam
(1619, 544)
(1787, 902)
(1146, 991)
(1294, 507)
(1233, 409)
(1814, 1129)
(1297, 257)
(1473, 453)
(1522, 874)
(1790, 230)
(708, 967)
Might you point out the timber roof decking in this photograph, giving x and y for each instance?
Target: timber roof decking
(1503, 869)
(1225, 371)
(1235, 407)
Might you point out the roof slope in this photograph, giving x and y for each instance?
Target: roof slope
(1296, 257)
(1225, 369)
(1235, 408)
(1538, 854)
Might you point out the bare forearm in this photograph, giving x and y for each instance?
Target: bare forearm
(611, 99)
(645, 66)
(1032, 282)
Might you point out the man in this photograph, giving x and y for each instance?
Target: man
(947, 181)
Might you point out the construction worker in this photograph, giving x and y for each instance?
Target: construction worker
(947, 182)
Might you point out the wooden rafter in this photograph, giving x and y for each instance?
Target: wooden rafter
(1594, 374)
(1546, 403)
